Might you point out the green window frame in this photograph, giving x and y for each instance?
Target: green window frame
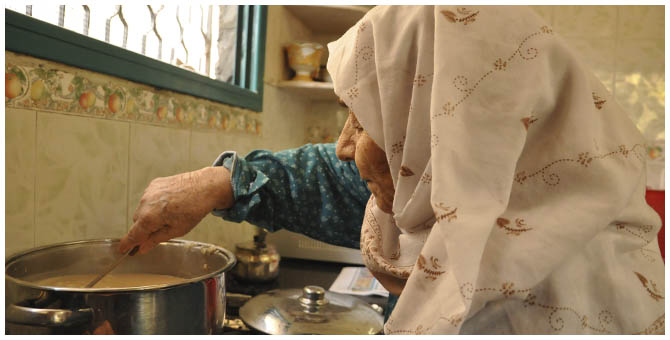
(26, 35)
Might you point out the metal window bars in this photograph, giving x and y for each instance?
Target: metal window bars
(179, 35)
(118, 12)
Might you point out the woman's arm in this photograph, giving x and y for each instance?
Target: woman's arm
(305, 190)
(171, 206)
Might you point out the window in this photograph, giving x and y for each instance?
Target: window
(208, 51)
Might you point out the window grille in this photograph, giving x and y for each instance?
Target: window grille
(221, 42)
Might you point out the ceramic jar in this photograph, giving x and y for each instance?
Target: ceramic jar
(305, 59)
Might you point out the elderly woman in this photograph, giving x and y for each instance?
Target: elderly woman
(507, 184)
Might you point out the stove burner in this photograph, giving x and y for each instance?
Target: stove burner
(235, 285)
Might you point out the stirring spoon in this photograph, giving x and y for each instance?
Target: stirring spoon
(111, 267)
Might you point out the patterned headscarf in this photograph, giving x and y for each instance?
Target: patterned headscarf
(519, 181)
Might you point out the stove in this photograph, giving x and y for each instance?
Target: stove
(238, 292)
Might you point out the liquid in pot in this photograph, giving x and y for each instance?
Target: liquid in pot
(110, 281)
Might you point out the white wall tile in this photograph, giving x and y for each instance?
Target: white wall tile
(155, 151)
(644, 22)
(81, 178)
(585, 21)
(19, 180)
(640, 84)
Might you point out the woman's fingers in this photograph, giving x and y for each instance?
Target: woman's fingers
(139, 233)
(161, 235)
(171, 206)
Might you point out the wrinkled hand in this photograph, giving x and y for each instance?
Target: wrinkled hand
(171, 206)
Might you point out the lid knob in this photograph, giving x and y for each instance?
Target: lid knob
(313, 296)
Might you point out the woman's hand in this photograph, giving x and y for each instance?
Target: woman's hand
(171, 206)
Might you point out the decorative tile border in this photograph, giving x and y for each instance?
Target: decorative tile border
(33, 83)
(322, 134)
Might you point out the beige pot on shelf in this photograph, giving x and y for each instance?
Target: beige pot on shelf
(305, 59)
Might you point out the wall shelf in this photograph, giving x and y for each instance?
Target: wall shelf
(323, 22)
(312, 89)
(328, 19)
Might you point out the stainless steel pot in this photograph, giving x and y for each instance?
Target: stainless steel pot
(196, 306)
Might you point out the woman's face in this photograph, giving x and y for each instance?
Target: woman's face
(355, 144)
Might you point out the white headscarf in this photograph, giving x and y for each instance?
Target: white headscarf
(519, 182)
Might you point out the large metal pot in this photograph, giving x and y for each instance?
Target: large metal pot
(196, 306)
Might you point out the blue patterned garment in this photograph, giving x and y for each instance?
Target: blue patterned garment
(307, 190)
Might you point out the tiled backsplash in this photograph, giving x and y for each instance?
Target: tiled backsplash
(70, 177)
(49, 86)
(75, 169)
(81, 147)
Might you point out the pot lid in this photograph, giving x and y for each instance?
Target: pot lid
(310, 310)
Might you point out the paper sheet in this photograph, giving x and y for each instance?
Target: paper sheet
(357, 281)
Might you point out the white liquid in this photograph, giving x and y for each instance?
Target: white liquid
(110, 281)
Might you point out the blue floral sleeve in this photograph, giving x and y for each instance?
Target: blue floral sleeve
(306, 190)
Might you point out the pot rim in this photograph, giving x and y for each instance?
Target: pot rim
(12, 258)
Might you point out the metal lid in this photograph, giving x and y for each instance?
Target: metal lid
(310, 310)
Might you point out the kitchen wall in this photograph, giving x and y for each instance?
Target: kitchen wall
(75, 168)
(625, 47)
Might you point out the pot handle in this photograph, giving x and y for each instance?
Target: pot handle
(47, 317)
